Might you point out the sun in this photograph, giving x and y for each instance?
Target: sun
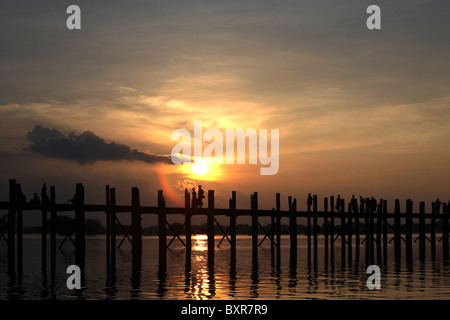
(200, 167)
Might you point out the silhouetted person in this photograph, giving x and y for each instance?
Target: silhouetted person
(362, 201)
(309, 201)
(338, 203)
(373, 203)
(352, 203)
(194, 198)
(35, 199)
(437, 205)
(201, 196)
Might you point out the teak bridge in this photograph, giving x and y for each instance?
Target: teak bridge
(354, 222)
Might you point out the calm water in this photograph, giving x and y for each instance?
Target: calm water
(430, 280)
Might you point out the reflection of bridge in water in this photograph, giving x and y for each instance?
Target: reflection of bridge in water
(368, 226)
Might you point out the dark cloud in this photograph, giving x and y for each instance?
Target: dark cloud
(40, 133)
(85, 148)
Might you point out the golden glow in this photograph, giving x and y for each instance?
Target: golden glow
(204, 283)
(200, 167)
(200, 242)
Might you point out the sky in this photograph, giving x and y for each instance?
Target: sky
(359, 111)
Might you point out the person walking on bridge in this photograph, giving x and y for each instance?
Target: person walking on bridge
(201, 196)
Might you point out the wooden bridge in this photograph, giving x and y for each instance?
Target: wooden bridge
(348, 223)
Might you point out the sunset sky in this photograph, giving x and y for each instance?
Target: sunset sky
(364, 112)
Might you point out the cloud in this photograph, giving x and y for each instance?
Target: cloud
(186, 184)
(85, 147)
(40, 133)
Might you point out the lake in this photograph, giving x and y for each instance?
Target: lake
(419, 280)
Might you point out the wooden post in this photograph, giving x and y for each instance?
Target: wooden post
(233, 227)
(372, 233)
(272, 235)
(308, 232)
(294, 208)
(343, 232)
(162, 231)
(187, 221)
(113, 228)
(332, 230)
(397, 235)
(349, 233)
(445, 244)
(408, 230)
(315, 230)
(44, 203)
(210, 227)
(136, 230)
(278, 229)
(108, 228)
(356, 212)
(367, 230)
(433, 231)
(20, 203)
(52, 229)
(325, 229)
(422, 232)
(80, 244)
(379, 231)
(11, 226)
(293, 231)
(254, 206)
(385, 234)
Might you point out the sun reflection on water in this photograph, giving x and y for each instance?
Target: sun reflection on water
(202, 274)
(200, 242)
